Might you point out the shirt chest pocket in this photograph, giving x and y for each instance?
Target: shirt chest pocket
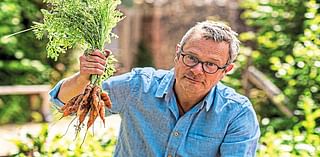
(200, 145)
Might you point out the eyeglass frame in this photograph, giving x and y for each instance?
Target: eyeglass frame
(182, 53)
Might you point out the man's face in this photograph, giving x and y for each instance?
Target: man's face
(194, 80)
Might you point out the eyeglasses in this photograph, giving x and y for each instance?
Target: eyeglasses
(191, 61)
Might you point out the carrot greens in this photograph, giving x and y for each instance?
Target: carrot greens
(68, 23)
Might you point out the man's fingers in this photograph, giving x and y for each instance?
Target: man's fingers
(100, 54)
(93, 59)
(96, 59)
(88, 70)
(108, 52)
(94, 63)
(91, 65)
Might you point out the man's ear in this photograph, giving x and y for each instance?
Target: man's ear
(177, 53)
(229, 68)
(226, 70)
(178, 46)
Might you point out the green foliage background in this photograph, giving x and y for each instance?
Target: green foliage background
(23, 59)
(21, 55)
(19, 58)
(285, 45)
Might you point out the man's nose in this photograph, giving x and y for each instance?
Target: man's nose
(197, 69)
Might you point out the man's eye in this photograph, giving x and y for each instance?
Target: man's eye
(210, 64)
(194, 59)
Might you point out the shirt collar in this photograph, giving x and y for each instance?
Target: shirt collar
(208, 100)
(166, 89)
(166, 84)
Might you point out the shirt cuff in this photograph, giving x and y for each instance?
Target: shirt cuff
(54, 95)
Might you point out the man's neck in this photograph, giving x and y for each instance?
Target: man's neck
(186, 101)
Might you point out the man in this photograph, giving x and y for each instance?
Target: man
(183, 112)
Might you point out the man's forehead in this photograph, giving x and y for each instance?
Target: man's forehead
(199, 38)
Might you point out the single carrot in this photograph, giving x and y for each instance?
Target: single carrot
(69, 103)
(82, 112)
(84, 102)
(87, 92)
(105, 97)
(76, 105)
(102, 112)
(95, 98)
(67, 109)
(79, 98)
(92, 117)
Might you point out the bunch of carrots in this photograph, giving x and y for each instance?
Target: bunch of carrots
(93, 102)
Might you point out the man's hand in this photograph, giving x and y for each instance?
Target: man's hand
(93, 63)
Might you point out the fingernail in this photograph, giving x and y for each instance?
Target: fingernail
(107, 52)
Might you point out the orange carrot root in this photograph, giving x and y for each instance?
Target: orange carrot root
(102, 112)
(92, 117)
(92, 102)
(105, 97)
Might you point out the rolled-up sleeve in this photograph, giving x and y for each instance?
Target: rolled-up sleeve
(243, 134)
(54, 95)
(119, 89)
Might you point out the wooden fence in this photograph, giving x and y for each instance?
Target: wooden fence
(32, 91)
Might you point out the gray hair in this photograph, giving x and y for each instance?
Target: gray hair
(215, 31)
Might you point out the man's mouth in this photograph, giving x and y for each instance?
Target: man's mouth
(192, 79)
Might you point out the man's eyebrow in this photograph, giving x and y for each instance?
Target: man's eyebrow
(210, 59)
(213, 59)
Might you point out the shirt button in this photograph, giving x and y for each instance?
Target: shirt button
(176, 133)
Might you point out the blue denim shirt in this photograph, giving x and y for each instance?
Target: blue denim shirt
(223, 124)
